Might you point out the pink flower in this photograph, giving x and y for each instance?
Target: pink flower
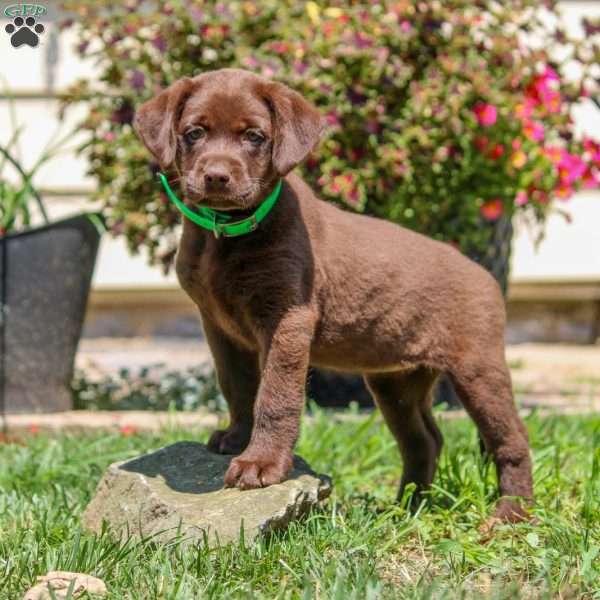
(492, 209)
(570, 168)
(521, 198)
(564, 191)
(486, 114)
(533, 130)
(524, 109)
(550, 74)
(280, 47)
(593, 149)
(332, 118)
(544, 90)
(405, 27)
(250, 61)
(300, 67)
(553, 153)
(551, 100)
(590, 180)
(362, 40)
(353, 197)
(128, 429)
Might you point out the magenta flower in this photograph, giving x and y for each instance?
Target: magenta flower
(570, 168)
(551, 100)
(533, 130)
(544, 90)
(160, 43)
(486, 114)
(332, 118)
(362, 40)
(590, 180)
(524, 110)
(550, 74)
(250, 61)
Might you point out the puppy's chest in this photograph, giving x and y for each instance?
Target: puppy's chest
(226, 291)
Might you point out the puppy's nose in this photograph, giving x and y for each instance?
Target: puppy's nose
(216, 178)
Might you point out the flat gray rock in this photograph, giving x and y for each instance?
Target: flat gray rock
(178, 490)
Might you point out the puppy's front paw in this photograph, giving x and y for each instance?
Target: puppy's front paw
(229, 441)
(257, 469)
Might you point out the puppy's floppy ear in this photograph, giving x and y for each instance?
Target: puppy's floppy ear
(298, 127)
(156, 119)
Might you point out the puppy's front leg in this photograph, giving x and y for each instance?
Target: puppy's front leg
(238, 376)
(285, 354)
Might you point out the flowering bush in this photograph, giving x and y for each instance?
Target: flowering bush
(441, 114)
(154, 387)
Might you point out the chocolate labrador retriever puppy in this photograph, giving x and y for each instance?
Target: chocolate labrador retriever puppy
(316, 285)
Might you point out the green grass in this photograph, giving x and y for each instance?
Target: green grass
(359, 545)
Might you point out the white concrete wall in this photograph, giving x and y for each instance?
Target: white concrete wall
(569, 252)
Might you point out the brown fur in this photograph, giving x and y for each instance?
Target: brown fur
(315, 285)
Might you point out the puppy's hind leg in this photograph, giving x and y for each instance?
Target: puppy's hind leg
(486, 393)
(405, 402)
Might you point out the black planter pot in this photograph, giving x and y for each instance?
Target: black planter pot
(331, 389)
(45, 277)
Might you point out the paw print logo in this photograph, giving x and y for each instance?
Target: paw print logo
(24, 31)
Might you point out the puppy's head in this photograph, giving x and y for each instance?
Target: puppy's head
(230, 134)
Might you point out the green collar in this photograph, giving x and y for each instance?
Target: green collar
(216, 221)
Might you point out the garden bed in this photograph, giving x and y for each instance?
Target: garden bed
(359, 545)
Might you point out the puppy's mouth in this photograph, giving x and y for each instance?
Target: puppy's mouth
(223, 200)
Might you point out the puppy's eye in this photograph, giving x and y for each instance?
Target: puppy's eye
(194, 135)
(254, 137)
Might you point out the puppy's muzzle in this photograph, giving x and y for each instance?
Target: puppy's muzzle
(217, 178)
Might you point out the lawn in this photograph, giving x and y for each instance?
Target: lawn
(359, 545)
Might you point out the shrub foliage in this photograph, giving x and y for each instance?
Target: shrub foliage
(442, 115)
